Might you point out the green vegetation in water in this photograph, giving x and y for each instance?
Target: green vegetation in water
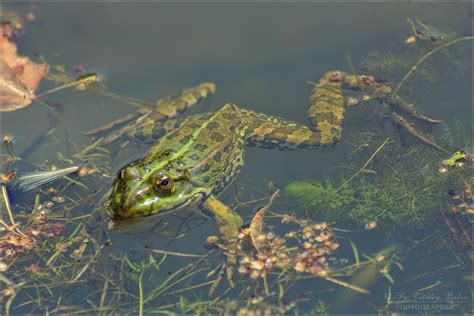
(323, 196)
(53, 262)
(401, 189)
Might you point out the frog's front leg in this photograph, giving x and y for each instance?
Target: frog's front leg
(228, 220)
(230, 223)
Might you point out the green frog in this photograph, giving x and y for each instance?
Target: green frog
(195, 158)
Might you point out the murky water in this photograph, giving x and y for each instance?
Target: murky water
(261, 56)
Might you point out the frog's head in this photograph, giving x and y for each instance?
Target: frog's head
(140, 191)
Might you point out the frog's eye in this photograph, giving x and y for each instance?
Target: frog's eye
(163, 184)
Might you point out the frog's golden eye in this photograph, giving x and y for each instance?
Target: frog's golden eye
(163, 184)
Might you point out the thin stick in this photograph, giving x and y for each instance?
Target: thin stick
(104, 292)
(349, 286)
(9, 210)
(89, 148)
(190, 288)
(179, 254)
(464, 233)
(86, 266)
(110, 125)
(424, 57)
(265, 283)
(354, 72)
(126, 100)
(385, 142)
(140, 288)
(68, 85)
(452, 230)
(7, 227)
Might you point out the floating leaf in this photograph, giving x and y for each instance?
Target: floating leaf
(19, 77)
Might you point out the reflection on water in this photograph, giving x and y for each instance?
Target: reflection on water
(261, 56)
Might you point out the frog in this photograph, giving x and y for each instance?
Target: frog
(458, 157)
(193, 159)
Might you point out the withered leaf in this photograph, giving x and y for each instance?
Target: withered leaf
(257, 224)
(19, 77)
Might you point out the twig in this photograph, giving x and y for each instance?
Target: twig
(104, 292)
(86, 80)
(354, 72)
(127, 100)
(9, 211)
(89, 148)
(179, 254)
(424, 57)
(110, 125)
(86, 266)
(452, 230)
(349, 286)
(140, 288)
(190, 288)
(385, 142)
(464, 233)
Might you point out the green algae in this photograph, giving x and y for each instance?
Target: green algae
(404, 190)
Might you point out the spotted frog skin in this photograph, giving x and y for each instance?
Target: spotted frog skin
(195, 158)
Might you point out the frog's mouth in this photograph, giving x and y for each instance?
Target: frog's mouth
(137, 223)
(193, 199)
(115, 221)
(120, 209)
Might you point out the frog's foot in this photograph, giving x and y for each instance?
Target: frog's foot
(240, 240)
(405, 115)
(233, 235)
(409, 119)
(413, 130)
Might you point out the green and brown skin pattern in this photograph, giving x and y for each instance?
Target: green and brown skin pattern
(202, 154)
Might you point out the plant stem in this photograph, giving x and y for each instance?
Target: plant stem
(9, 210)
(347, 285)
(385, 142)
(140, 288)
(424, 57)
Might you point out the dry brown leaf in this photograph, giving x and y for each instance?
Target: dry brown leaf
(19, 77)
(410, 40)
(257, 223)
(12, 23)
(7, 30)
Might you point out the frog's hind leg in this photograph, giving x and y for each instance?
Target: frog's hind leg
(325, 113)
(153, 124)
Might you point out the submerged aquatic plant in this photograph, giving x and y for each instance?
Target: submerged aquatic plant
(405, 189)
(324, 196)
(77, 274)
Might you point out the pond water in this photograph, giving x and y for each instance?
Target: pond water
(261, 56)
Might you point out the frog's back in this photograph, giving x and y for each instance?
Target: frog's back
(208, 145)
